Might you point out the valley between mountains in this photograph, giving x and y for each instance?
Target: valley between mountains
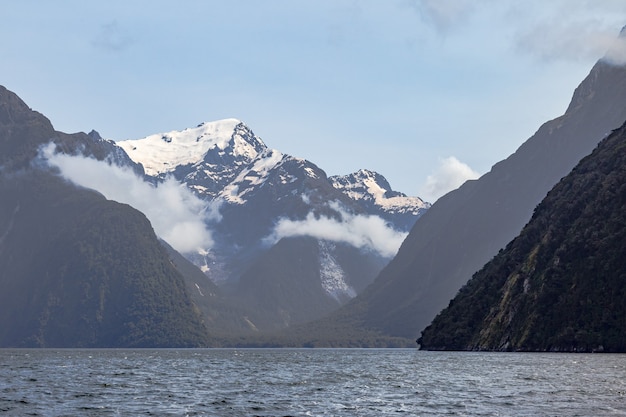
(208, 237)
(262, 240)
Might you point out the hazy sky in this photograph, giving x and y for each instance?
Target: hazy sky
(422, 91)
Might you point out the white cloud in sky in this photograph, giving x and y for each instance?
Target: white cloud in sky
(577, 40)
(570, 30)
(445, 14)
(449, 175)
(617, 51)
(416, 57)
(573, 30)
(176, 215)
(360, 231)
(112, 37)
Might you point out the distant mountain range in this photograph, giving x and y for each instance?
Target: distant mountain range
(467, 227)
(290, 256)
(561, 284)
(271, 203)
(289, 245)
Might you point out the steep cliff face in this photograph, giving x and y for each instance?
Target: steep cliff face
(466, 228)
(561, 284)
(77, 270)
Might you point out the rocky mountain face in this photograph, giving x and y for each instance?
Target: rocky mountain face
(372, 191)
(285, 247)
(77, 270)
(561, 284)
(290, 244)
(465, 228)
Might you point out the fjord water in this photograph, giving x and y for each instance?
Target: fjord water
(309, 382)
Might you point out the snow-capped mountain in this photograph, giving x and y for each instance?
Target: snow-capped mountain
(206, 158)
(373, 192)
(291, 242)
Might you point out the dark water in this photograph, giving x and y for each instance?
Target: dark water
(304, 382)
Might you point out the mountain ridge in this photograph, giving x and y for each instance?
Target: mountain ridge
(560, 284)
(258, 189)
(521, 181)
(466, 227)
(76, 269)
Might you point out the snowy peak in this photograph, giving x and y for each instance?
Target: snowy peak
(372, 188)
(255, 174)
(162, 153)
(364, 184)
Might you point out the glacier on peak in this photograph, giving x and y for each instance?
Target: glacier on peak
(162, 153)
(225, 162)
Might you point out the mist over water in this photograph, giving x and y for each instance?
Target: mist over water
(308, 382)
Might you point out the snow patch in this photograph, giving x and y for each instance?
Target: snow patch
(332, 275)
(363, 185)
(250, 177)
(199, 290)
(163, 152)
(310, 172)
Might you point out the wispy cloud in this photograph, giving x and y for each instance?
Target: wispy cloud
(616, 53)
(112, 37)
(177, 216)
(568, 30)
(450, 175)
(360, 231)
(573, 30)
(578, 40)
(444, 14)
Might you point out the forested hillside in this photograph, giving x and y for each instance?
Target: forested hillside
(561, 284)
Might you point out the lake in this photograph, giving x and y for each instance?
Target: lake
(309, 382)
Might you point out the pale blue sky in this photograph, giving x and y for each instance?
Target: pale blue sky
(394, 86)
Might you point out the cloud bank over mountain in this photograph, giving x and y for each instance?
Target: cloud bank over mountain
(177, 216)
(361, 231)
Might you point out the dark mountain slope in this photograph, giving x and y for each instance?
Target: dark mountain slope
(300, 279)
(561, 284)
(259, 190)
(22, 131)
(78, 270)
(75, 268)
(467, 227)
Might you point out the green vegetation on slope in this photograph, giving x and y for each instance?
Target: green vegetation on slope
(78, 270)
(561, 284)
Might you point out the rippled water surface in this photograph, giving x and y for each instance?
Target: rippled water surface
(308, 382)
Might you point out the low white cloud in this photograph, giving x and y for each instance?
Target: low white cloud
(176, 215)
(450, 175)
(360, 231)
(578, 40)
(616, 50)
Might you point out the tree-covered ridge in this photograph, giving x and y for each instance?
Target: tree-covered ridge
(561, 284)
(78, 270)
